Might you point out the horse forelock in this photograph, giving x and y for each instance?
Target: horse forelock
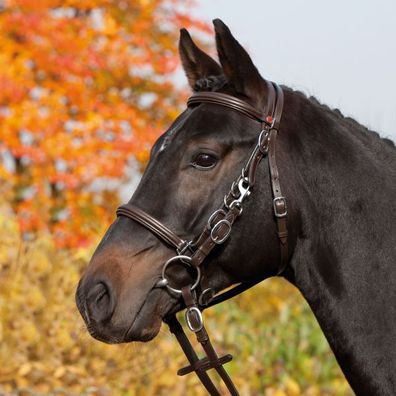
(210, 83)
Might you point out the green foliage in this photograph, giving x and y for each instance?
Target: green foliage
(45, 349)
(272, 331)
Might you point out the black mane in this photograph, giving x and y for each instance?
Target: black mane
(217, 83)
(350, 120)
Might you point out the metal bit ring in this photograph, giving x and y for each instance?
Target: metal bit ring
(186, 260)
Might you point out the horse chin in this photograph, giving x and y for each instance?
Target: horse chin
(144, 328)
(143, 333)
(136, 333)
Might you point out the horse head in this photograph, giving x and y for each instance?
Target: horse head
(191, 167)
(337, 247)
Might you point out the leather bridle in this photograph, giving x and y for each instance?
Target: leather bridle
(199, 296)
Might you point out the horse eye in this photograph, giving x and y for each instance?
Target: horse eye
(204, 161)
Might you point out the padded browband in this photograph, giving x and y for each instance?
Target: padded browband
(223, 99)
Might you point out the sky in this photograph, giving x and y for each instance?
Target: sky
(342, 52)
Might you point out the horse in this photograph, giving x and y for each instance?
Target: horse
(338, 183)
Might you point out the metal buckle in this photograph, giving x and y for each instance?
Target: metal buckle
(163, 282)
(274, 204)
(190, 319)
(216, 227)
(213, 215)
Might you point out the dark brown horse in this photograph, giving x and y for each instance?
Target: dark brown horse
(340, 182)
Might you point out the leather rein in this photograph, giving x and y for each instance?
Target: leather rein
(199, 296)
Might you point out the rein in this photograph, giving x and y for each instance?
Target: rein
(199, 296)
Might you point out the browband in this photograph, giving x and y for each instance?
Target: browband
(226, 100)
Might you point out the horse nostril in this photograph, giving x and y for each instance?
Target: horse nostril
(101, 296)
(100, 302)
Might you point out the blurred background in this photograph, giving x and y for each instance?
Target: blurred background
(85, 89)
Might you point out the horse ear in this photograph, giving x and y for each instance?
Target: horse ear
(237, 65)
(196, 63)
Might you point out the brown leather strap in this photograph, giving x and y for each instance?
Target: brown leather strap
(155, 226)
(176, 329)
(266, 144)
(279, 106)
(271, 101)
(279, 202)
(207, 238)
(228, 101)
(262, 147)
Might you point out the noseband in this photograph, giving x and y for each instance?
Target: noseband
(199, 296)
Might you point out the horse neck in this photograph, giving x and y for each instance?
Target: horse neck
(342, 192)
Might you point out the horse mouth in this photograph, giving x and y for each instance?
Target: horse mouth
(145, 325)
(147, 322)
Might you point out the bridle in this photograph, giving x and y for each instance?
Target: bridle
(199, 296)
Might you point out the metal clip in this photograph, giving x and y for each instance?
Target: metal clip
(243, 192)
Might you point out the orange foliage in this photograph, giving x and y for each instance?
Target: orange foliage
(85, 86)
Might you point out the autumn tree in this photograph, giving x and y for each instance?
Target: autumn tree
(85, 88)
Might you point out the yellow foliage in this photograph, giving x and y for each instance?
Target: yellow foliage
(292, 387)
(45, 348)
